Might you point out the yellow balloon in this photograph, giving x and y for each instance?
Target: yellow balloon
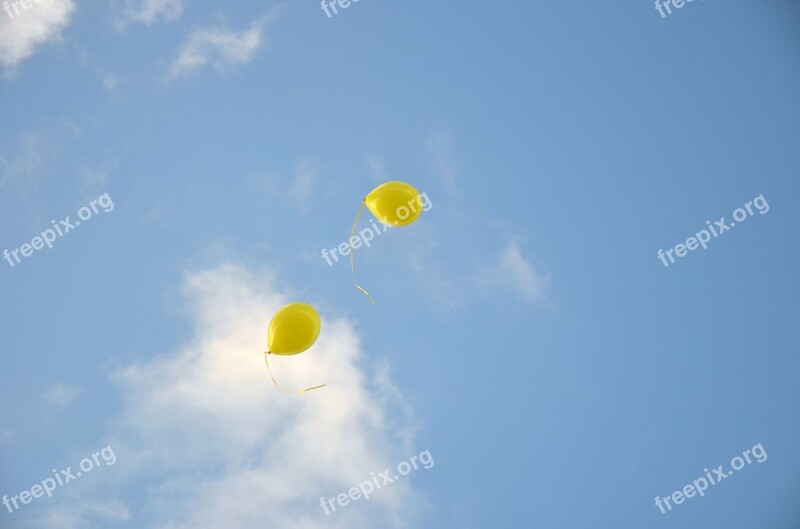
(395, 203)
(293, 329)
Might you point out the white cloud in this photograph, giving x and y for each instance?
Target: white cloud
(23, 32)
(215, 445)
(221, 48)
(62, 395)
(512, 271)
(149, 11)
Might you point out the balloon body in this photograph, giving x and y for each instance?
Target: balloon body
(293, 329)
(395, 203)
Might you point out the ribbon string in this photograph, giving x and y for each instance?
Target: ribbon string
(352, 252)
(279, 388)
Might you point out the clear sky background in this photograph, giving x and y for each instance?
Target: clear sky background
(525, 333)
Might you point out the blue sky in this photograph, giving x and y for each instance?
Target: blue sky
(525, 333)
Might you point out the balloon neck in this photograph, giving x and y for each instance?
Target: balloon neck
(267, 352)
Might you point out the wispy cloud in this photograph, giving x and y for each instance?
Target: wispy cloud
(302, 189)
(110, 82)
(26, 164)
(62, 395)
(23, 31)
(440, 147)
(204, 431)
(298, 190)
(94, 178)
(512, 271)
(80, 515)
(221, 48)
(377, 169)
(148, 12)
